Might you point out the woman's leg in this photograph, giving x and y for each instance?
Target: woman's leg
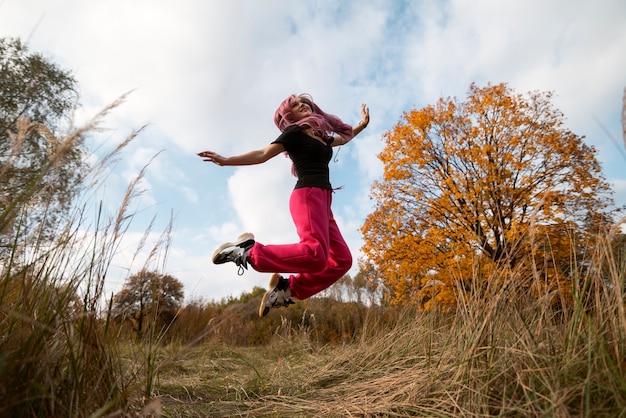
(309, 209)
(320, 258)
(305, 285)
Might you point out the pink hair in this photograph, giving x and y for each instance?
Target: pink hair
(322, 123)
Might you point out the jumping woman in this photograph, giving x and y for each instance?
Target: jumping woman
(322, 256)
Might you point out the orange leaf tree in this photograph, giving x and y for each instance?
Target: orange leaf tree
(495, 181)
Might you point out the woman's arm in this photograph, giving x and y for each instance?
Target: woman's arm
(252, 157)
(365, 120)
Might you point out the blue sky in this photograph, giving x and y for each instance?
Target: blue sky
(208, 75)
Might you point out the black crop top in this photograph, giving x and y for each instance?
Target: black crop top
(310, 157)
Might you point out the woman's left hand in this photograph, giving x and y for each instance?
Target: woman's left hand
(365, 115)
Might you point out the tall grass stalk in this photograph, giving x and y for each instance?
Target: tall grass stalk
(58, 350)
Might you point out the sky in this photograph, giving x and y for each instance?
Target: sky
(208, 75)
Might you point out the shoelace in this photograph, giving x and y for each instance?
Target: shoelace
(239, 258)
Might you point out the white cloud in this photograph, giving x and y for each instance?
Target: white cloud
(260, 197)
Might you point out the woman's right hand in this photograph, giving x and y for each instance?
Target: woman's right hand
(212, 157)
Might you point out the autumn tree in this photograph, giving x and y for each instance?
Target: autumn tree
(38, 96)
(494, 181)
(148, 298)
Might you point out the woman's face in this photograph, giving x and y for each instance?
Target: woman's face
(300, 108)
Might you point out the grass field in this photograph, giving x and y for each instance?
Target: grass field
(502, 352)
(497, 359)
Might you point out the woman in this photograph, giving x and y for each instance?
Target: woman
(322, 256)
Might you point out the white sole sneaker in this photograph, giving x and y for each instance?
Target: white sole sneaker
(242, 241)
(274, 280)
(275, 298)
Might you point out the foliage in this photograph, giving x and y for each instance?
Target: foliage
(495, 181)
(37, 94)
(508, 355)
(237, 323)
(49, 334)
(146, 298)
(358, 289)
(58, 355)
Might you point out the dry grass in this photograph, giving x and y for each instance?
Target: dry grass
(510, 356)
(58, 357)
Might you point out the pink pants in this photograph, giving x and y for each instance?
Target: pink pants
(320, 258)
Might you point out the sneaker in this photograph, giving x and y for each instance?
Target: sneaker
(237, 252)
(278, 296)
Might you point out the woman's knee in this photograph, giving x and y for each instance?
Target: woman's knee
(344, 263)
(317, 260)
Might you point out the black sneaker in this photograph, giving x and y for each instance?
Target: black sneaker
(279, 295)
(237, 252)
